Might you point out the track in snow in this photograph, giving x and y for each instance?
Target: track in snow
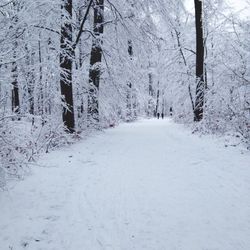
(149, 185)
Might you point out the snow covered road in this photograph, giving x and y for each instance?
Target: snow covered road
(149, 185)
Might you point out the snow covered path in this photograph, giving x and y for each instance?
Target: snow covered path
(150, 185)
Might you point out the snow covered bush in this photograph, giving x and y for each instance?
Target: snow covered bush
(21, 142)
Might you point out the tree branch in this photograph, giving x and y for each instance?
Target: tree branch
(46, 28)
(82, 24)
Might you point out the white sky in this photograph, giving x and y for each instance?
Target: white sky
(237, 5)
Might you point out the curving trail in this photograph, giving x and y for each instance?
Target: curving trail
(149, 185)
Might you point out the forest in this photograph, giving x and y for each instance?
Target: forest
(124, 124)
(70, 67)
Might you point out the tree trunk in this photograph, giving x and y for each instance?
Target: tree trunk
(66, 62)
(157, 100)
(129, 112)
(40, 88)
(30, 79)
(150, 94)
(15, 89)
(14, 73)
(200, 84)
(95, 63)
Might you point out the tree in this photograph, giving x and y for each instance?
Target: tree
(95, 63)
(14, 70)
(66, 63)
(200, 84)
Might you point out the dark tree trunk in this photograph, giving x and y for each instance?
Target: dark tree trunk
(157, 100)
(129, 102)
(95, 63)
(41, 96)
(15, 89)
(66, 62)
(30, 79)
(129, 86)
(150, 85)
(200, 84)
(150, 94)
(80, 89)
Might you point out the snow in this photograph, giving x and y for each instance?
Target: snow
(146, 185)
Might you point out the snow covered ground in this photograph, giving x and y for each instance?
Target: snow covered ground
(149, 185)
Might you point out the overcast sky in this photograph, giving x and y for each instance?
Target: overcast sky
(237, 5)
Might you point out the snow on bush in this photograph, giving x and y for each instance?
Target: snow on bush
(21, 142)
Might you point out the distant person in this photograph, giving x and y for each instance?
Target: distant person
(162, 115)
(158, 115)
(171, 111)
